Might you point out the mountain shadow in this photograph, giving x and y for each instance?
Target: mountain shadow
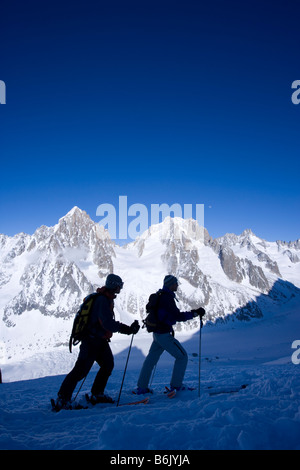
(279, 295)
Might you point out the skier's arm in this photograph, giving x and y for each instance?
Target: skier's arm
(107, 321)
(169, 313)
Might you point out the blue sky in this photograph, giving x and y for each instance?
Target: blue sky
(162, 101)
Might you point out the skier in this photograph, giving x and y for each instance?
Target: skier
(95, 346)
(163, 338)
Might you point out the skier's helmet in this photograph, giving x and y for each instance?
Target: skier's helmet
(113, 282)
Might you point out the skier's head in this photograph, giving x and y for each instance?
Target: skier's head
(171, 282)
(114, 283)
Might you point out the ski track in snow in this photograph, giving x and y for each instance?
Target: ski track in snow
(266, 415)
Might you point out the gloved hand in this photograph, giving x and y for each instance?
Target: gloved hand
(129, 330)
(199, 312)
(134, 327)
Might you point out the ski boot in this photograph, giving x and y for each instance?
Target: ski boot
(100, 398)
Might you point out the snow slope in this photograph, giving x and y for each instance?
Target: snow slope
(266, 415)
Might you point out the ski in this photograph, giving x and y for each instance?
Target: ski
(181, 389)
(172, 393)
(228, 390)
(88, 399)
(144, 400)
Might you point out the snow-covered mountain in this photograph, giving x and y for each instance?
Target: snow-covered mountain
(44, 277)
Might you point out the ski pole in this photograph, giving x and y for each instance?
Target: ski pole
(79, 388)
(199, 358)
(125, 370)
(153, 373)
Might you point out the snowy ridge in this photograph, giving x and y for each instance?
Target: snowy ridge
(44, 277)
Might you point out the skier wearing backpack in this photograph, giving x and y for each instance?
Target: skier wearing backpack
(163, 337)
(95, 345)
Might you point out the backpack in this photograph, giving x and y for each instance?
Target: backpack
(151, 322)
(80, 324)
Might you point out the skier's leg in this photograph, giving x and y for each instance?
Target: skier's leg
(173, 347)
(105, 360)
(151, 360)
(82, 367)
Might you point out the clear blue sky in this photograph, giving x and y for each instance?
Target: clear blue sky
(162, 101)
